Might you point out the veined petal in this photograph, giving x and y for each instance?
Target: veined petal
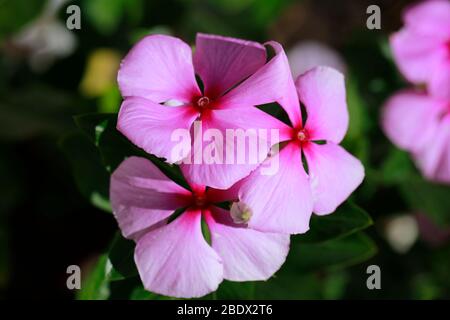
(159, 68)
(334, 174)
(271, 83)
(175, 260)
(247, 254)
(241, 140)
(279, 194)
(222, 62)
(152, 127)
(141, 196)
(410, 119)
(322, 91)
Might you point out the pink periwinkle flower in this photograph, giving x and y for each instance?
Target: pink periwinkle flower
(419, 123)
(172, 256)
(422, 47)
(158, 81)
(283, 202)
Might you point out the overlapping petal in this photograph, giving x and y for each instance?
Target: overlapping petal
(271, 83)
(152, 127)
(247, 254)
(141, 196)
(279, 194)
(222, 62)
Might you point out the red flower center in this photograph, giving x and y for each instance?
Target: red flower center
(200, 200)
(203, 102)
(302, 135)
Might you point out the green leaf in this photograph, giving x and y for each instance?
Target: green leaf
(235, 291)
(347, 219)
(337, 253)
(121, 256)
(90, 176)
(114, 147)
(427, 197)
(96, 287)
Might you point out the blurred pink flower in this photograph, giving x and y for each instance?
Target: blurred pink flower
(309, 54)
(173, 258)
(422, 47)
(420, 124)
(157, 80)
(283, 202)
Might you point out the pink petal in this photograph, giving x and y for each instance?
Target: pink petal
(222, 62)
(281, 202)
(434, 160)
(176, 261)
(322, 90)
(439, 85)
(334, 174)
(141, 196)
(410, 118)
(159, 68)
(230, 194)
(247, 254)
(430, 18)
(151, 126)
(221, 173)
(271, 83)
(417, 56)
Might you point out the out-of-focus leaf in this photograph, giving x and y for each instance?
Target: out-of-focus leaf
(235, 291)
(95, 286)
(91, 177)
(347, 219)
(427, 197)
(114, 147)
(121, 256)
(16, 14)
(139, 293)
(341, 252)
(396, 168)
(36, 110)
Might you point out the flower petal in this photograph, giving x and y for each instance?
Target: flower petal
(279, 194)
(159, 68)
(242, 140)
(410, 118)
(417, 56)
(322, 90)
(334, 174)
(141, 196)
(271, 83)
(175, 260)
(429, 18)
(247, 255)
(439, 85)
(152, 126)
(434, 161)
(223, 62)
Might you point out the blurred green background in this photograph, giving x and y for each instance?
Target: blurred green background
(55, 164)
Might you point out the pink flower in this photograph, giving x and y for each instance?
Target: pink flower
(420, 124)
(173, 258)
(283, 202)
(422, 48)
(157, 79)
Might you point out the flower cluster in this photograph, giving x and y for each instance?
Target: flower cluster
(234, 220)
(417, 119)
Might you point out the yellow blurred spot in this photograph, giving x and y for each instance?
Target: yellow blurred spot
(100, 73)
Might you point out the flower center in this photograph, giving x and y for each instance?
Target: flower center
(302, 135)
(200, 200)
(203, 102)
